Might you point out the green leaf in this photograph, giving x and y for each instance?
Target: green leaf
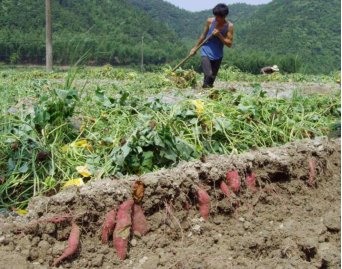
(158, 141)
(123, 97)
(221, 124)
(169, 155)
(148, 160)
(10, 164)
(190, 113)
(24, 168)
(125, 150)
(99, 93)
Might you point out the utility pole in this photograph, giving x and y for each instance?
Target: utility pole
(142, 54)
(48, 36)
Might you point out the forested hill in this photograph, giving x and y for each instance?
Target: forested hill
(187, 24)
(110, 31)
(310, 29)
(286, 32)
(306, 31)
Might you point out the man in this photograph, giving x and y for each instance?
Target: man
(269, 70)
(212, 51)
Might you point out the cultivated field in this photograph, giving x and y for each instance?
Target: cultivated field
(77, 140)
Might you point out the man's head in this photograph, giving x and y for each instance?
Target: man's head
(221, 11)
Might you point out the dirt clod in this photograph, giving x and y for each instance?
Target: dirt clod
(332, 221)
(98, 260)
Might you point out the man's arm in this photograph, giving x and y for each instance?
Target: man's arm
(202, 37)
(228, 39)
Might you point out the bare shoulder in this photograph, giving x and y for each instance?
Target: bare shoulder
(210, 20)
(230, 24)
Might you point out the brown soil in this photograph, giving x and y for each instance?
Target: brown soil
(272, 89)
(283, 89)
(284, 224)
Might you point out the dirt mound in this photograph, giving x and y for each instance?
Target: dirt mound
(286, 223)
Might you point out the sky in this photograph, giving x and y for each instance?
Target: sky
(198, 5)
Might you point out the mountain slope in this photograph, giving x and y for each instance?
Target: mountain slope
(109, 30)
(188, 24)
(307, 28)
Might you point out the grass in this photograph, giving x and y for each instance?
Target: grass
(114, 122)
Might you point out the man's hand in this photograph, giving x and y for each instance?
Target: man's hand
(216, 32)
(193, 51)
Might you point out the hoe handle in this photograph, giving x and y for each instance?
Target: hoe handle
(190, 55)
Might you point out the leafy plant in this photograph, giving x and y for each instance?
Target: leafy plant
(150, 147)
(139, 124)
(54, 108)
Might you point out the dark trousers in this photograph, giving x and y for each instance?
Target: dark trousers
(210, 70)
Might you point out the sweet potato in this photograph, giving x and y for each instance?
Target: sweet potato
(312, 172)
(57, 220)
(251, 182)
(224, 188)
(108, 226)
(233, 180)
(123, 228)
(140, 225)
(73, 244)
(204, 203)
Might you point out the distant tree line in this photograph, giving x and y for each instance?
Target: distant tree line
(107, 32)
(297, 35)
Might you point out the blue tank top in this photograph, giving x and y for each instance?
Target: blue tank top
(213, 49)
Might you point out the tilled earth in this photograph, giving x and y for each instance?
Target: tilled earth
(272, 89)
(284, 224)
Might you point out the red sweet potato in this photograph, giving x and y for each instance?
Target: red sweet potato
(233, 180)
(108, 226)
(73, 244)
(57, 220)
(224, 188)
(312, 172)
(140, 225)
(204, 203)
(251, 182)
(123, 228)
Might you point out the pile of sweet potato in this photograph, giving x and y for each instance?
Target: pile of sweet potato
(130, 218)
(232, 184)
